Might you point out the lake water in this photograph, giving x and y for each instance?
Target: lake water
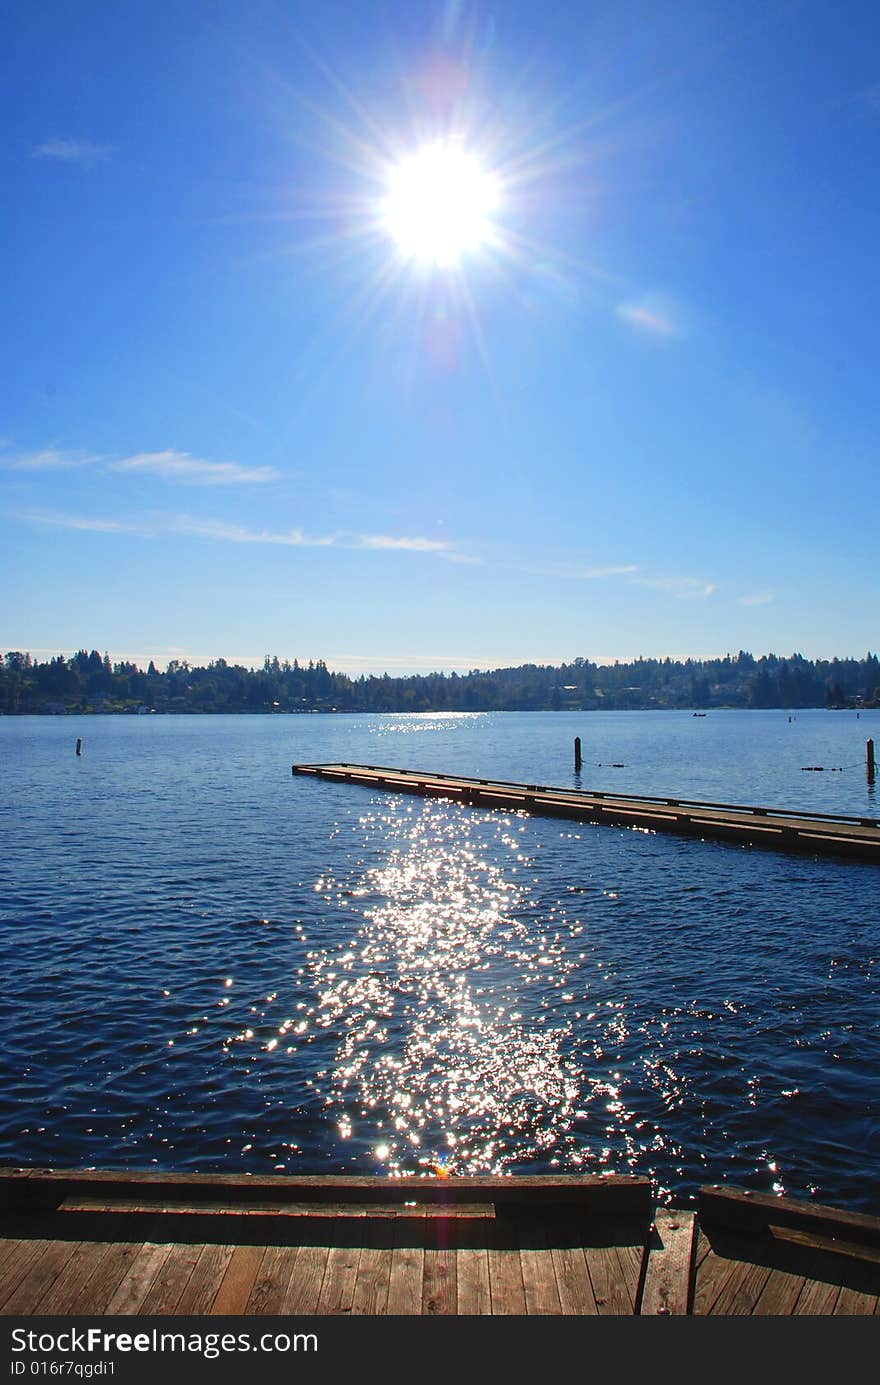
(213, 965)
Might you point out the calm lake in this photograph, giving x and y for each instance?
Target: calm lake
(213, 965)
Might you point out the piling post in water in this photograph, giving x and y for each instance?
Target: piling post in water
(79, 745)
(870, 761)
(577, 754)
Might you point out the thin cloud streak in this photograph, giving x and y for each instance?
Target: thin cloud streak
(76, 151)
(182, 466)
(757, 599)
(223, 531)
(48, 459)
(682, 588)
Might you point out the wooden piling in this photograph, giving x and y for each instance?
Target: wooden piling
(79, 745)
(577, 754)
(870, 761)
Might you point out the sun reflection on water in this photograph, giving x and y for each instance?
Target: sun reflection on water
(445, 1061)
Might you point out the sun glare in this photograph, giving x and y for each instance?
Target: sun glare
(439, 205)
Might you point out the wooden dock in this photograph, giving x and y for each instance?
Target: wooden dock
(814, 833)
(97, 1244)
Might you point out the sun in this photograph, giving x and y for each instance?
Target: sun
(439, 205)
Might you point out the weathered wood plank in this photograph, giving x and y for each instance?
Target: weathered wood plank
(780, 1293)
(238, 1280)
(741, 1290)
(97, 1291)
(611, 1290)
(407, 1267)
(572, 1275)
(16, 1260)
(138, 1279)
(669, 1264)
(270, 1286)
(205, 1280)
(307, 1274)
(42, 1273)
(341, 1272)
(505, 1269)
(374, 1268)
(473, 1292)
(747, 1212)
(538, 1274)
(168, 1286)
(82, 1265)
(439, 1272)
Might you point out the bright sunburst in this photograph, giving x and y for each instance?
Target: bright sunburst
(439, 204)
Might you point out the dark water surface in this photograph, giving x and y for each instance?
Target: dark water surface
(212, 965)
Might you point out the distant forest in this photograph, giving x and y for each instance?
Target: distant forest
(91, 682)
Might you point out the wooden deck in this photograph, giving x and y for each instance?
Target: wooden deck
(95, 1244)
(814, 833)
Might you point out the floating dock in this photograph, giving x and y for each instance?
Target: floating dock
(814, 833)
(105, 1243)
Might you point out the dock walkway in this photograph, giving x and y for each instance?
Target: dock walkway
(815, 833)
(106, 1243)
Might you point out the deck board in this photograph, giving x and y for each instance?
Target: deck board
(669, 1264)
(204, 1283)
(136, 1283)
(407, 1266)
(238, 1280)
(506, 1286)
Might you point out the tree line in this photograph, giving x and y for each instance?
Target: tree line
(90, 682)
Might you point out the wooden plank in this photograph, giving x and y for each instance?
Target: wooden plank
(341, 1272)
(238, 1280)
(168, 1286)
(712, 1274)
(855, 1302)
(374, 1267)
(407, 1267)
(270, 1287)
(779, 1294)
(818, 1298)
(472, 1290)
(82, 1265)
(572, 1275)
(611, 1290)
(205, 1280)
(136, 1284)
(41, 1275)
(669, 1264)
(755, 1212)
(439, 1272)
(741, 1290)
(96, 1291)
(123, 1190)
(307, 1273)
(505, 1269)
(16, 1260)
(536, 1266)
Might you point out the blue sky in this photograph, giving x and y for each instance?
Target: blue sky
(238, 417)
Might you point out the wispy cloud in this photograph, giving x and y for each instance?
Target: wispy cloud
(182, 466)
(48, 459)
(222, 531)
(85, 523)
(757, 599)
(578, 572)
(236, 533)
(653, 316)
(683, 588)
(71, 151)
(440, 548)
